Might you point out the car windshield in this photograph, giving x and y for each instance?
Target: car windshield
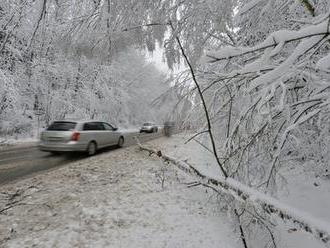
(147, 124)
(62, 126)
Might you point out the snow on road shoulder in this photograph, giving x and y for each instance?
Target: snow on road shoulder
(115, 199)
(304, 197)
(190, 152)
(17, 143)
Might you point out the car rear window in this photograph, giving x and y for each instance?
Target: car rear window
(147, 124)
(62, 126)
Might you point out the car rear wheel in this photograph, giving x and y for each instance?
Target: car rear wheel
(91, 148)
(121, 142)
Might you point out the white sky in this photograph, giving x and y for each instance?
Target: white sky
(157, 58)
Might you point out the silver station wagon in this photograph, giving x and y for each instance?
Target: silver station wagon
(85, 136)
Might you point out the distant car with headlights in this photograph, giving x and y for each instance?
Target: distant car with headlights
(149, 127)
(82, 136)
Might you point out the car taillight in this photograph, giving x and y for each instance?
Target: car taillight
(75, 136)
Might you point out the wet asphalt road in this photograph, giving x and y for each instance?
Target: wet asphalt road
(18, 162)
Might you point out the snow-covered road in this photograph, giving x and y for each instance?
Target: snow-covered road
(115, 199)
(25, 159)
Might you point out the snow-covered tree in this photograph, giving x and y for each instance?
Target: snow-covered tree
(256, 83)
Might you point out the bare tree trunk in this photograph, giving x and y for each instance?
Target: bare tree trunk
(108, 27)
(42, 14)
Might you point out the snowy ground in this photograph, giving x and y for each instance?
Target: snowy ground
(305, 191)
(28, 142)
(115, 199)
(302, 191)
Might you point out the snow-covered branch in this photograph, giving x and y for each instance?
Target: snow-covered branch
(249, 196)
(275, 40)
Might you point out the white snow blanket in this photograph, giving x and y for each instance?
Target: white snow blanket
(114, 199)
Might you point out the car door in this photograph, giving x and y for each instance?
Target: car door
(95, 131)
(111, 134)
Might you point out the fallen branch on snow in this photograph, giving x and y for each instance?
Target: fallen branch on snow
(247, 195)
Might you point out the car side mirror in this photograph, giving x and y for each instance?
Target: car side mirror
(115, 128)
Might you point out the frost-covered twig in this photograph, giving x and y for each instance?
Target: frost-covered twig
(195, 135)
(143, 26)
(253, 138)
(298, 121)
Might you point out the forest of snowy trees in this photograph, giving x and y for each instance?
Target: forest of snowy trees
(63, 59)
(256, 77)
